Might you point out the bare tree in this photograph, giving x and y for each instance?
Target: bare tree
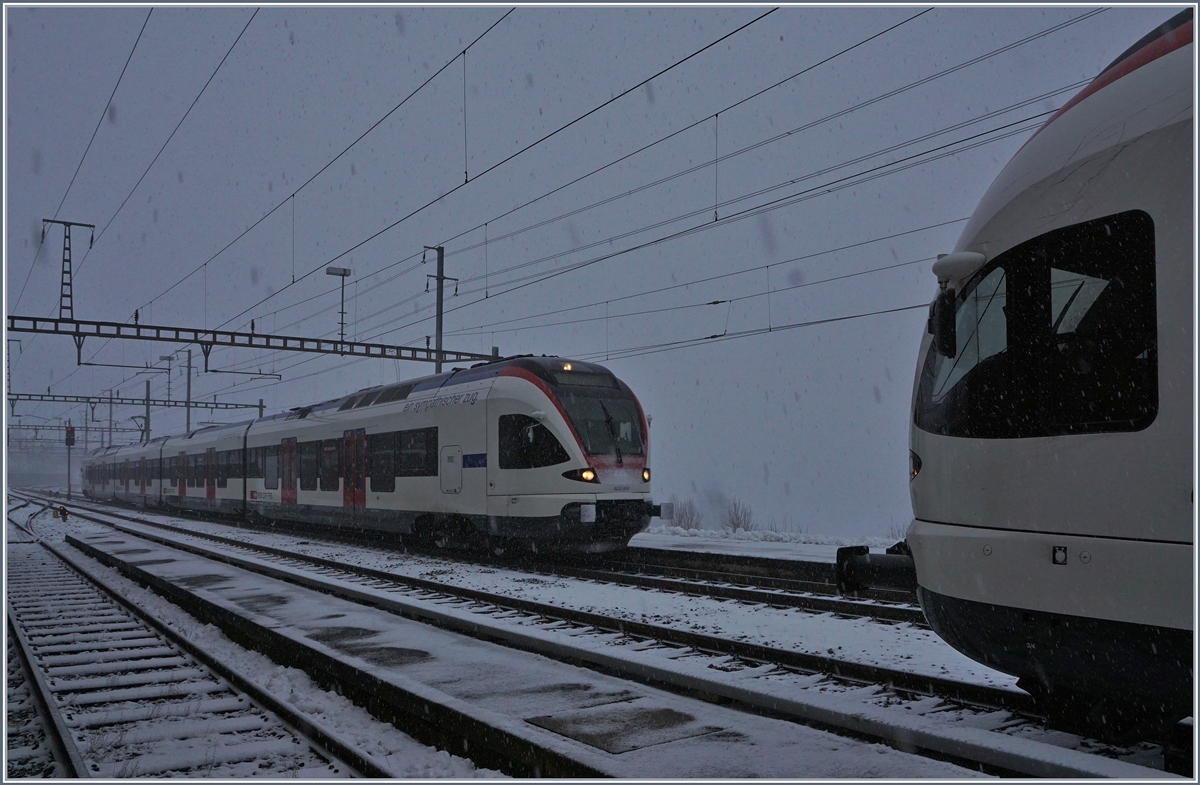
(687, 514)
(738, 515)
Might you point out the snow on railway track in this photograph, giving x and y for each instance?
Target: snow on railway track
(993, 739)
(123, 700)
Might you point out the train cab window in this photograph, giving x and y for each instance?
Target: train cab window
(527, 444)
(270, 466)
(1055, 336)
(381, 462)
(331, 461)
(608, 422)
(418, 453)
(310, 453)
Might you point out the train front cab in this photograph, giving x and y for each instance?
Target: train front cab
(1052, 451)
(571, 458)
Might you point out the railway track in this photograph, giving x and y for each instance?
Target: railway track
(427, 600)
(30, 751)
(778, 583)
(103, 692)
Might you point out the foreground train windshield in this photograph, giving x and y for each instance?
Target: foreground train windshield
(607, 422)
(1055, 336)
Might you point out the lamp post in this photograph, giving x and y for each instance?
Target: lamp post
(343, 273)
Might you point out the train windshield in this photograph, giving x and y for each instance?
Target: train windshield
(607, 421)
(1055, 336)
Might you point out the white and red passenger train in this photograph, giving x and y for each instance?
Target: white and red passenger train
(537, 453)
(1053, 406)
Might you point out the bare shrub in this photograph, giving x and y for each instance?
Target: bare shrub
(738, 515)
(687, 514)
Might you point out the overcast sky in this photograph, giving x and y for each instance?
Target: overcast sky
(808, 425)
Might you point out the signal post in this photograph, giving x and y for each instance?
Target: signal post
(70, 443)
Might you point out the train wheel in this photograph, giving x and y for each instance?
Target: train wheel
(441, 538)
(498, 547)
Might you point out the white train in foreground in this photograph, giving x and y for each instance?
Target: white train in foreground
(1052, 435)
(538, 453)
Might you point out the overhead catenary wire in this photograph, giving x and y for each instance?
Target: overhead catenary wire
(330, 163)
(827, 118)
(485, 274)
(292, 197)
(749, 212)
(171, 136)
(503, 161)
(609, 239)
(82, 158)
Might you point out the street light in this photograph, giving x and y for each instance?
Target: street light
(343, 273)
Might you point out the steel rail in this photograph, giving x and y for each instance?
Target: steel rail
(331, 748)
(776, 592)
(903, 681)
(995, 752)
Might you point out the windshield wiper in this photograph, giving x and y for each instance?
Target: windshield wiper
(612, 431)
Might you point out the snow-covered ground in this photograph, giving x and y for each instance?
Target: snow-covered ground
(763, 544)
(899, 646)
(613, 725)
(390, 748)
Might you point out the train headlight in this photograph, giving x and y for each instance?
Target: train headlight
(646, 474)
(583, 475)
(914, 465)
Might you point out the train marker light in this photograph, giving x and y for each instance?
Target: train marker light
(566, 366)
(914, 465)
(646, 475)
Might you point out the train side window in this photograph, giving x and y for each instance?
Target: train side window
(527, 444)
(381, 462)
(418, 451)
(309, 458)
(331, 462)
(1072, 347)
(392, 394)
(254, 463)
(270, 466)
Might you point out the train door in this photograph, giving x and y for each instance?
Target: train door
(354, 469)
(287, 470)
(450, 468)
(141, 470)
(125, 477)
(181, 468)
(210, 473)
